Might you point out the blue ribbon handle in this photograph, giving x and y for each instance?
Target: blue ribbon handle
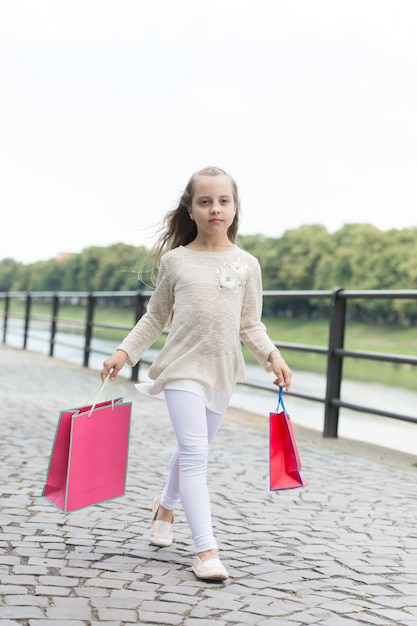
(281, 402)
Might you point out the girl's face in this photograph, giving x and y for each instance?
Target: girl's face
(213, 206)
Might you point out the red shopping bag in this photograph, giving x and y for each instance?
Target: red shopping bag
(88, 462)
(284, 459)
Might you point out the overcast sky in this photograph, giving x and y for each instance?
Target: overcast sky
(108, 106)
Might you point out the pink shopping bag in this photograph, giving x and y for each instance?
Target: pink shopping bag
(284, 458)
(88, 462)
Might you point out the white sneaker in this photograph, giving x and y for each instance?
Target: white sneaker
(160, 532)
(212, 569)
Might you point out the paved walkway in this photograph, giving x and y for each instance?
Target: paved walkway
(341, 551)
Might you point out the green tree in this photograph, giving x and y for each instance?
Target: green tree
(8, 272)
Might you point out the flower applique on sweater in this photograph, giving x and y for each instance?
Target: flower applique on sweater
(231, 275)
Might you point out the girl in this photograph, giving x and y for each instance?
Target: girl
(210, 291)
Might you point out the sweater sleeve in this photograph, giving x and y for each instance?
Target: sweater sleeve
(154, 321)
(252, 330)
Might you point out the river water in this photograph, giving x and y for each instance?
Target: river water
(364, 427)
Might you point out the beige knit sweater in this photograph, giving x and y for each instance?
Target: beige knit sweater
(215, 299)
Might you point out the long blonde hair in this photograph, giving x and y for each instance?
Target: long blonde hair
(178, 229)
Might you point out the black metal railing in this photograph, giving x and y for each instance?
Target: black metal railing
(335, 353)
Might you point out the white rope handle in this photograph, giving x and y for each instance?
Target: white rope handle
(105, 384)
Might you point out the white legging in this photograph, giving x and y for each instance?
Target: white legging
(195, 427)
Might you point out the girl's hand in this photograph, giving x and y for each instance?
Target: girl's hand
(282, 372)
(113, 365)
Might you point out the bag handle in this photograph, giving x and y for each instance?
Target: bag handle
(281, 402)
(105, 384)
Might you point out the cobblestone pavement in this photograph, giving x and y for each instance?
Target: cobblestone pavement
(341, 551)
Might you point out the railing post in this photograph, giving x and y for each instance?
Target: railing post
(334, 363)
(6, 316)
(27, 319)
(139, 310)
(88, 328)
(54, 319)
